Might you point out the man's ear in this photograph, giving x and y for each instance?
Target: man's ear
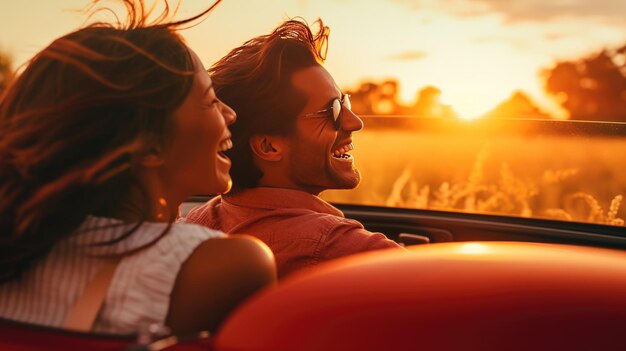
(152, 158)
(268, 148)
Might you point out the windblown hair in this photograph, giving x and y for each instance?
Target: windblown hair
(255, 80)
(75, 121)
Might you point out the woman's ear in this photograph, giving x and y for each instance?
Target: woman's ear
(152, 158)
(268, 148)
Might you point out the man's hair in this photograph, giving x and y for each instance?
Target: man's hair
(74, 122)
(255, 80)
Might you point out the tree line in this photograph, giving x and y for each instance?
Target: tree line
(589, 88)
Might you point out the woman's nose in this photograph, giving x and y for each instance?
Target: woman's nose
(229, 114)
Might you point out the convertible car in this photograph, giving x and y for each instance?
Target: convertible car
(509, 245)
(537, 265)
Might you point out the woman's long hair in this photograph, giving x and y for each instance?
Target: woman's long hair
(72, 124)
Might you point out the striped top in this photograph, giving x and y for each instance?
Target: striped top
(139, 293)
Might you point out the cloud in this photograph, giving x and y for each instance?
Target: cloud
(541, 10)
(526, 10)
(408, 56)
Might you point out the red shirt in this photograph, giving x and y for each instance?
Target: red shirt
(301, 229)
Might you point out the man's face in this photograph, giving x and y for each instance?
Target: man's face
(319, 156)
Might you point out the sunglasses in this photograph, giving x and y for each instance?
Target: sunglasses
(337, 110)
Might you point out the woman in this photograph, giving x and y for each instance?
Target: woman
(102, 136)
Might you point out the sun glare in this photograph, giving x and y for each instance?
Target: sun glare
(468, 118)
(473, 249)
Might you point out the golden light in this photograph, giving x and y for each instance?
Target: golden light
(473, 249)
(468, 117)
(229, 186)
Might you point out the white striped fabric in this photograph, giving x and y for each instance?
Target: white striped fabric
(139, 293)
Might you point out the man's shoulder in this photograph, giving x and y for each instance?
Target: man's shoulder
(340, 221)
(319, 222)
(294, 218)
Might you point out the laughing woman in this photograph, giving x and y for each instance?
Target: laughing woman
(102, 136)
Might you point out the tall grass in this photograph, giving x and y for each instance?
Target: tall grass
(543, 176)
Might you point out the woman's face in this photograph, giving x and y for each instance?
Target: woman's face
(194, 160)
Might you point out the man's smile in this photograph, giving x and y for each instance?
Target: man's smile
(342, 151)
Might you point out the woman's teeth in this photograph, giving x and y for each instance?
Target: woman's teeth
(225, 145)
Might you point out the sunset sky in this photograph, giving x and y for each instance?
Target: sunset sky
(476, 51)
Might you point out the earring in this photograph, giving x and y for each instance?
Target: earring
(162, 210)
(230, 186)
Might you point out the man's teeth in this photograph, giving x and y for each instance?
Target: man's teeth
(343, 150)
(225, 145)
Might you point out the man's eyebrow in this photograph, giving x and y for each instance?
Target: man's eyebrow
(330, 101)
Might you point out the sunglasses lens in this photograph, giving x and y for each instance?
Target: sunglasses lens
(337, 113)
(346, 102)
(336, 109)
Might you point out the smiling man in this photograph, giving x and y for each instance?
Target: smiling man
(291, 141)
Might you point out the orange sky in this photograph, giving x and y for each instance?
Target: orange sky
(476, 51)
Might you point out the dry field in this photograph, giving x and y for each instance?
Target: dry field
(555, 176)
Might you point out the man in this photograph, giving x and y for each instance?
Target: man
(291, 142)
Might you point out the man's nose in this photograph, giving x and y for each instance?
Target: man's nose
(351, 122)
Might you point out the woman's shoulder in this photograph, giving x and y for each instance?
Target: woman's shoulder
(239, 266)
(143, 284)
(236, 256)
(236, 250)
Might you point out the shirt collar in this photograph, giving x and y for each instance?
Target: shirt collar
(280, 198)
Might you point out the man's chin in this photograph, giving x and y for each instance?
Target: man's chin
(348, 182)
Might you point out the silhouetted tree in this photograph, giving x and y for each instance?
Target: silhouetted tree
(382, 99)
(518, 105)
(377, 99)
(428, 104)
(592, 88)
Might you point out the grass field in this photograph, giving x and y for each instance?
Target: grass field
(543, 175)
